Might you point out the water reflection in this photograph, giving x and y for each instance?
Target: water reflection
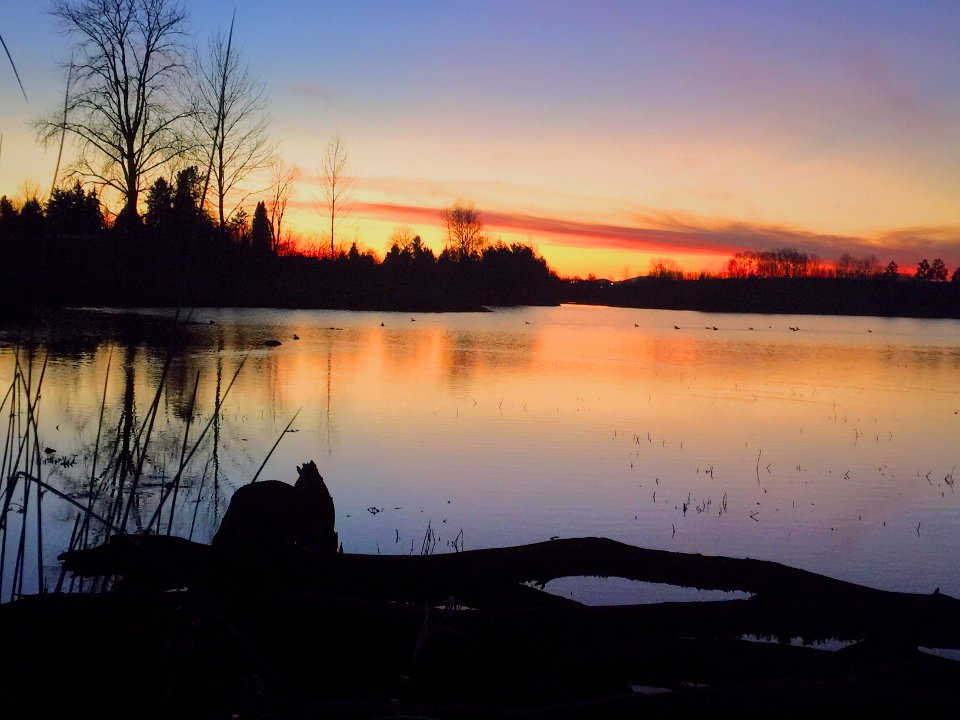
(825, 447)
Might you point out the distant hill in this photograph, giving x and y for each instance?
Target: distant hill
(885, 297)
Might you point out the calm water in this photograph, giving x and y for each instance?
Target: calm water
(832, 447)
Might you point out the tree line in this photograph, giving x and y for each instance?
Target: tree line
(64, 251)
(792, 263)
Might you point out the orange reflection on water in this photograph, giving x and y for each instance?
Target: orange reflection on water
(808, 446)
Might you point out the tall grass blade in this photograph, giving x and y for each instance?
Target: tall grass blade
(267, 458)
(196, 503)
(183, 455)
(63, 128)
(96, 453)
(142, 446)
(14, 66)
(216, 412)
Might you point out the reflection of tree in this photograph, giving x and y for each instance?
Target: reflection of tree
(149, 470)
(328, 420)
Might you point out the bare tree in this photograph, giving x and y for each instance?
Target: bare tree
(337, 187)
(231, 121)
(284, 177)
(465, 236)
(123, 108)
(665, 269)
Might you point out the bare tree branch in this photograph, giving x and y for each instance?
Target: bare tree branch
(230, 121)
(124, 109)
(337, 187)
(465, 236)
(284, 177)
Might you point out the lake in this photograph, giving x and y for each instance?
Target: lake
(826, 443)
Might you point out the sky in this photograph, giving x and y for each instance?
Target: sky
(606, 134)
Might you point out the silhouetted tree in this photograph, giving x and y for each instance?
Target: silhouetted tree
(955, 278)
(891, 272)
(122, 108)
(260, 231)
(515, 274)
(464, 229)
(281, 190)
(740, 265)
(849, 266)
(665, 269)
(336, 185)
(74, 212)
(238, 227)
(938, 271)
(159, 215)
(31, 224)
(779, 263)
(8, 219)
(231, 123)
(189, 220)
(409, 263)
(923, 270)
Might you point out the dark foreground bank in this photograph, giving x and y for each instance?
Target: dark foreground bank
(315, 634)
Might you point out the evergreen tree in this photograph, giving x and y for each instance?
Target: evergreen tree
(938, 271)
(159, 215)
(189, 221)
(31, 225)
(260, 235)
(74, 212)
(8, 219)
(238, 227)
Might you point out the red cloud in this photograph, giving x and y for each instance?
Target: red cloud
(668, 232)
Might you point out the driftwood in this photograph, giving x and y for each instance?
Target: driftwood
(786, 602)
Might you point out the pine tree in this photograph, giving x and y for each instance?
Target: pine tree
(260, 235)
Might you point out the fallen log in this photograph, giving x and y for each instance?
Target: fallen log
(786, 602)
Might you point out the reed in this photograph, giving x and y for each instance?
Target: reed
(21, 463)
(14, 66)
(112, 488)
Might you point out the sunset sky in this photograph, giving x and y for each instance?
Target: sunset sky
(604, 133)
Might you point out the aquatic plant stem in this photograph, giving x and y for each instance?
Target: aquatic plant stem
(183, 455)
(14, 66)
(267, 458)
(155, 517)
(194, 593)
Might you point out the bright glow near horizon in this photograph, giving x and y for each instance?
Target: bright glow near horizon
(604, 135)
